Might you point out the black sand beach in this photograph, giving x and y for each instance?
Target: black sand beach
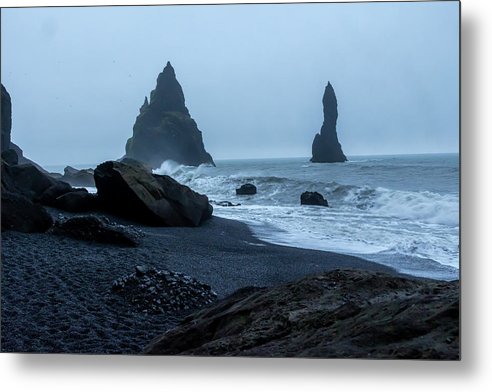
(56, 291)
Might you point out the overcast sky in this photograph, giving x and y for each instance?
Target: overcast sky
(253, 76)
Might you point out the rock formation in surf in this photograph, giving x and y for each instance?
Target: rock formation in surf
(326, 147)
(164, 128)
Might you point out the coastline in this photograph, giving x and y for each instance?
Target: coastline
(56, 290)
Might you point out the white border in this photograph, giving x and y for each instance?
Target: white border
(473, 373)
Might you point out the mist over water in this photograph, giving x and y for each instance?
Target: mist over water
(402, 211)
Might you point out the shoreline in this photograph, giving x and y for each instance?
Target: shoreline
(56, 291)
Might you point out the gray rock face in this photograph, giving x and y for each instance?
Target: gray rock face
(6, 119)
(133, 192)
(164, 129)
(326, 147)
(338, 314)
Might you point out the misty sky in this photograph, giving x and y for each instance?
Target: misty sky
(253, 76)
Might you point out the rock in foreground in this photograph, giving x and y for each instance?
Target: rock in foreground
(339, 314)
(164, 129)
(133, 192)
(326, 147)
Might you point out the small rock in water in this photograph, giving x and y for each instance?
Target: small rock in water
(246, 189)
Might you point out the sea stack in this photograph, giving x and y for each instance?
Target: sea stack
(326, 147)
(164, 128)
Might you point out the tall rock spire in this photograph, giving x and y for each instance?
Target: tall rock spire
(164, 129)
(326, 147)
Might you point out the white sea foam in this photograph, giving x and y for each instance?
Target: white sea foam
(413, 210)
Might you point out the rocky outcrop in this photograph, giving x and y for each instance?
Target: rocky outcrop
(94, 229)
(338, 314)
(313, 199)
(164, 129)
(75, 177)
(326, 147)
(6, 122)
(133, 192)
(246, 189)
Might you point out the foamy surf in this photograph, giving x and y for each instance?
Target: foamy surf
(399, 211)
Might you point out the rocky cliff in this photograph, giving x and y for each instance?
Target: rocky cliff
(6, 119)
(164, 128)
(326, 147)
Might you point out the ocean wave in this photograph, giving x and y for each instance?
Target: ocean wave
(415, 206)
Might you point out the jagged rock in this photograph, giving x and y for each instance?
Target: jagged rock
(153, 291)
(164, 129)
(326, 147)
(83, 177)
(133, 192)
(6, 122)
(21, 214)
(313, 199)
(77, 201)
(246, 189)
(93, 229)
(338, 314)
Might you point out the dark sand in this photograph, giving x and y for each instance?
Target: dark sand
(56, 291)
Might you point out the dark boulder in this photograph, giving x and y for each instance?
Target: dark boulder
(6, 119)
(164, 129)
(246, 189)
(77, 201)
(132, 192)
(326, 147)
(192, 206)
(50, 195)
(313, 199)
(75, 177)
(33, 183)
(94, 229)
(10, 157)
(338, 314)
(21, 214)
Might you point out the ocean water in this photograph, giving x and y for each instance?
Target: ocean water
(401, 211)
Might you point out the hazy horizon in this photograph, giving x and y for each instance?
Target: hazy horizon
(253, 76)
